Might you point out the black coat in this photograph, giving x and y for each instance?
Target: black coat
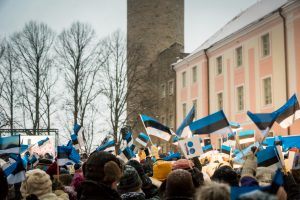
(91, 190)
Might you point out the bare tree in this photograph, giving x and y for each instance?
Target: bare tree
(78, 55)
(32, 46)
(9, 83)
(120, 77)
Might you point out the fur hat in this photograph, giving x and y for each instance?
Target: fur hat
(140, 170)
(102, 167)
(161, 169)
(37, 182)
(214, 191)
(182, 164)
(130, 181)
(179, 185)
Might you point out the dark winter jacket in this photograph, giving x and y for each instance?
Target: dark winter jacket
(133, 196)
(150, 191)
(291, 188)
(91, 190)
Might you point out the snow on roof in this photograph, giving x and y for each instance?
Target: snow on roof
(246, 17)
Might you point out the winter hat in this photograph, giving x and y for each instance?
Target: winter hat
(179, 185)
(226, 174)
(102, 167)
(139, 168)
(37, 182)
(214, 191)
(130, 181)
(257, 195)
(182, 164)
(250, 165)
(161, 169)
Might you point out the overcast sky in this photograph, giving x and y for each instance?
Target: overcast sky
(202, 17)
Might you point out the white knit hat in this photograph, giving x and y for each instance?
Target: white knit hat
(37, 182)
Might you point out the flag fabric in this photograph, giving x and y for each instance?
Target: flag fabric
(142, 139)
(172, 156)
(289, 112)
(109, 146)
(155, 128)
(43, 142)
(74, 141)
(287, 142)
(14, 170)
(78, 130)
(239, 154)
(187, 120)
(126, 154)
(263, 121)
(267, 157)
(207, 148)
(246, 136)
(225, 149)
(67, 154)
(10, 144)
(191, 147)
(214, 123)
(128, 138)
(175, 140)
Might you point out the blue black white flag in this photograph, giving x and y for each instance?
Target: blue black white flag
(128, 138)
(246, 137)
(155, 128)
(267, 157)
(126, 154)
(142, 139)
(211, 124)
(43, 142)
(10, 144)
(239, 154)
(225, 149)
(187, 120)
(66, 154)
(263, 121)
(108, 146)
(289, 112)
(207, 148)
(78, 131)
(14, 169)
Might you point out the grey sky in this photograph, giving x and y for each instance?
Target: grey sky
(202, 17)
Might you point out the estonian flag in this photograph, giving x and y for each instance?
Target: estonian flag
(267, 157)
(109, 146)
(288, 113)
(172, 156)
(10, 144)
(187, 120)
(129, 140)
(14, 169)
(214, 123)
(239, 154)
(142, 139)
(246, 136)
(78, 130)
(207, 148)
(67, 154)
(42, 142)
(226, 149)
(263, 121)
(126, 154)
(155, 128)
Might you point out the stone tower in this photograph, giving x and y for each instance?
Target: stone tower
(155, 25)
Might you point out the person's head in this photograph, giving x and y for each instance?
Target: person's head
(214, 191)
(226, 174)
(37, 183)
(140, 170)
(102, 167)
(130, 181)
(3, 185)
(179, 185)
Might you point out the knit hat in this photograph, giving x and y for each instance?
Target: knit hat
(179, 185)
(250, 165)
(182, 164)
(257, 195)
(130, 181)
(161, 169)
(139, 168)
(37, 182)
(102, 167)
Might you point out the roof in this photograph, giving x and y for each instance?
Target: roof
(252, 14)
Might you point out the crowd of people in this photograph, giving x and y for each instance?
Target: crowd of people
(106, 176)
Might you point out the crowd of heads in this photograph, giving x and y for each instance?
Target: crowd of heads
(106, 176)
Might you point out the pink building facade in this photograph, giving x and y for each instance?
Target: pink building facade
(252, 63)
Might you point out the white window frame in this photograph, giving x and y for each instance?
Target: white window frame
(171, 92)
(195, 75)
(183, 79)
(196, 107)
(163, 90)
(217, 66)
(220, 92)
(236, 56)
(263, 91)
(261, 45)
(237, 98)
